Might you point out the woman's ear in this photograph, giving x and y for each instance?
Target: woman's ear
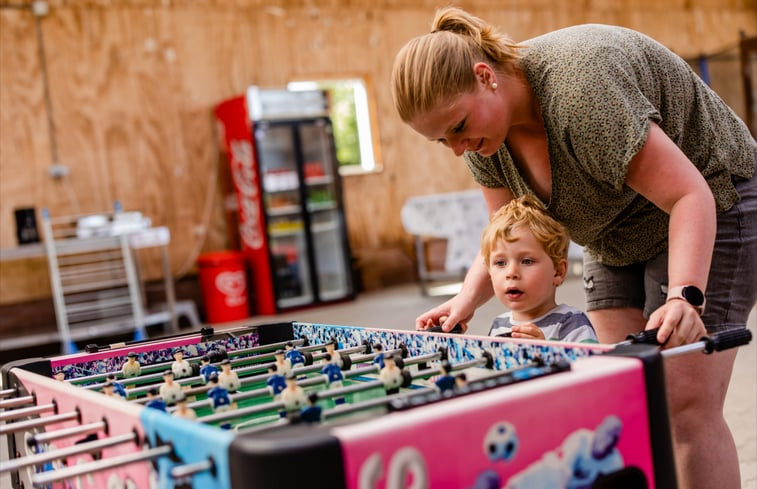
(561, 271)
(484, 73)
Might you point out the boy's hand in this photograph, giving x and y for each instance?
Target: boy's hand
(528, 331)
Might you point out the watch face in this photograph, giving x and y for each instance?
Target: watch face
(693, 295)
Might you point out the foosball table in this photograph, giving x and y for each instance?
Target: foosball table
(292, 405)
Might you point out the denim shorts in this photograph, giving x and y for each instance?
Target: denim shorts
(731, 286)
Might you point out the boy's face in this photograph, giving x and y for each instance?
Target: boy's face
(523, 275)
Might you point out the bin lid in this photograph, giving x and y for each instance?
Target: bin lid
(219, 258)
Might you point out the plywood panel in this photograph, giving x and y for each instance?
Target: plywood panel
(133, 84)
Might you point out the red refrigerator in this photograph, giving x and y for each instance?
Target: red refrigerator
(284, 171)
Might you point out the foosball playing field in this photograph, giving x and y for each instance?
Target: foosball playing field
(293, 405)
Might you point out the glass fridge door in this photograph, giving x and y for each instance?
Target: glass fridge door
(329, 244)
(283, 205)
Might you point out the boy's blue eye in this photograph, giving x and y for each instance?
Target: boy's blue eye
(527, 261)
(499, 263)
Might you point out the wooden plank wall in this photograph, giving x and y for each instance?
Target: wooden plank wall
(132, 86)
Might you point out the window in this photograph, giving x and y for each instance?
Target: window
(354, 133)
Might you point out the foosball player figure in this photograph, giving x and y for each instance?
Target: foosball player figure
(60, 375)
(293, 396)
(131, 368)
(228, 379)
(170, 390)
(109, 389)
(445, 381)
(294, 356)
(391, 374)
(275, 382)
(218, 395)
(312, 412)
(378, 359)
(336, 357)
(333, 374)
(154, 401)
(180, 367)
(207, 369)
(283, 367)
(182, 411)
(461, 380)
(117, 386)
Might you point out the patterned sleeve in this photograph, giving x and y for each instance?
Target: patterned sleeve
(484, 170)
(604, 117)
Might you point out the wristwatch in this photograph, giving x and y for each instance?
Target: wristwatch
(690, 294)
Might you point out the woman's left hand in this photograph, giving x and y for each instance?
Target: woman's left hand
(679, 324)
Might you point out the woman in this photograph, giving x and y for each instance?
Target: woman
(646, 167)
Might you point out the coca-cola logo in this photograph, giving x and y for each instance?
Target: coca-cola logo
(244, 174)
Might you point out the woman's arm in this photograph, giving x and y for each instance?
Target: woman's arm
(476, 289)
(665, 176)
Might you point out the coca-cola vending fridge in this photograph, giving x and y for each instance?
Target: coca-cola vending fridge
(281, 153)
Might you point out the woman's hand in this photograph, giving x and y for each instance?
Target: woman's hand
(679, 323)
(456, 310)
(528, 331)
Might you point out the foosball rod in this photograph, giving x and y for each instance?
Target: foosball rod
(48, 477)
(16, 401)
(157, 369)
(31, 424)
(718, 341)
(262, 377)
(63, 453)
(265, 391)
(8, 393)
(277, 405)
(26, 412)
(84, 429)
(189, 470)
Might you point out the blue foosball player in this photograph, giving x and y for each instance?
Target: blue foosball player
(218, 395)
(333, 373)
(118, 388)
(207, 369)
(276, 382)
(312, 412)
(155, 402)
(378, 359)
(294, 356)
(445, 381)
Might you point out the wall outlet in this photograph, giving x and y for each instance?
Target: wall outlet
(58, 170)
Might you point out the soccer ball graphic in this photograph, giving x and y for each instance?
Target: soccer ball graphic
(501, 442)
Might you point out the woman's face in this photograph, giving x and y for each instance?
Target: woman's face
(476, 121)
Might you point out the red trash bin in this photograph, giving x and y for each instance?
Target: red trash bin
(223, 279)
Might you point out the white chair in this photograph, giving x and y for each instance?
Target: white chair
(457, 218)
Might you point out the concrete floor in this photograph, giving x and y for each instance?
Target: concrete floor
(397, 308)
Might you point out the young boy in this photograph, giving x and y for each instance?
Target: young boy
(526, 253)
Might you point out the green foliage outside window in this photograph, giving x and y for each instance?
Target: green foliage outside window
(344, 121)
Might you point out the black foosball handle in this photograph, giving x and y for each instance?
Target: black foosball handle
(438, 329)
(648, 337)
(724, 340)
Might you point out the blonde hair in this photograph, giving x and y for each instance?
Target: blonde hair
(530, 212)
(438, 66)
